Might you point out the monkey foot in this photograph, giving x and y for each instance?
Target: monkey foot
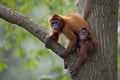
(63, 54)
(74, 71)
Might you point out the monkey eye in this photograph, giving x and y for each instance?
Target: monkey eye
(83, 33)
(55, 22)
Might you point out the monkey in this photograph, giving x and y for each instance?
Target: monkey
(68, 25)
(87, 46)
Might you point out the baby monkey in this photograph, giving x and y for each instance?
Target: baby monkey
(87, 45)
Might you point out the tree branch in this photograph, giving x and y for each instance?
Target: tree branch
(19, 19)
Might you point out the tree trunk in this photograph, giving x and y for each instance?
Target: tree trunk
(103, 19)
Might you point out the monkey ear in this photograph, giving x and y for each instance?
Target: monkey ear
(89, 32)
(90, 36)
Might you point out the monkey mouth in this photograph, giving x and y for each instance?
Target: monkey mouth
(56, 30)
(82, 38)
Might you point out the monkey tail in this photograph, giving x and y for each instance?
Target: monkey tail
(86, 8)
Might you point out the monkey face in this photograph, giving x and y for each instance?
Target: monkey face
(84, 34)
(56, 24)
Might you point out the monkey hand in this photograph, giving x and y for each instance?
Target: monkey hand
(63, 54)
(47, 41)
(74, 71)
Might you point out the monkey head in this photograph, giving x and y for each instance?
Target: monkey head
(56, 22)
(84, 34)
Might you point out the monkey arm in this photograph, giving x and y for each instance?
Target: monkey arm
(71, 45)
(72, 39)
(81, 59)
(52, 36)
(82, 56)
(55, 36)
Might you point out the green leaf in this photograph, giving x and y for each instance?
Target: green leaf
(43, 52)
(7, 46)
(3, 66)
(16, 52)
(19, 37)
(22, 53)
(0, 1)
(31, 64)
(11, 3)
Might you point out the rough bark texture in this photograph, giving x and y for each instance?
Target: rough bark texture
(103, 18)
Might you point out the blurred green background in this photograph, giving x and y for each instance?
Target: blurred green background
(23, 56)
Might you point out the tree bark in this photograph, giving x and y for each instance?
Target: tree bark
(103, 19)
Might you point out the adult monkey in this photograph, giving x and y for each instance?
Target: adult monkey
(69, 25)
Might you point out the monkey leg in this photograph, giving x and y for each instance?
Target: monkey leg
(69, 48)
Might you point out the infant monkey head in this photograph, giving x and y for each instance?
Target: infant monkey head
(84, 34)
